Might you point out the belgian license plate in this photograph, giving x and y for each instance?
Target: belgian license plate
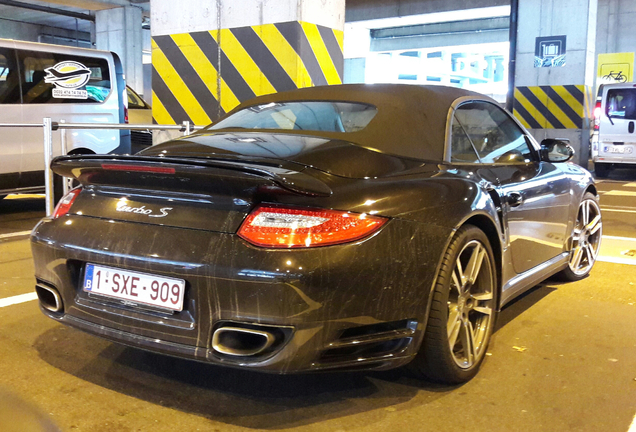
(619, 149)
(134, 288)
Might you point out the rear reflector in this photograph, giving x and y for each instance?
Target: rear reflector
(65, 203)
(138, 168)
(283, 227)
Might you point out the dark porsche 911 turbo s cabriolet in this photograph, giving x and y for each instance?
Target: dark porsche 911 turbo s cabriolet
(343, 227)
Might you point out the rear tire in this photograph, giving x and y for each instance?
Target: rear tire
(585, 241)
(463, 311)
(601, 170)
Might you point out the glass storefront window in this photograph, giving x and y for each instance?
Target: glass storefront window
(482, 68)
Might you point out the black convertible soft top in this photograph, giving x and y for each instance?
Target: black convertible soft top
(411, 120)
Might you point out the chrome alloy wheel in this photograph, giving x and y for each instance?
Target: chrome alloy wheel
(586, 237)
(470, 304)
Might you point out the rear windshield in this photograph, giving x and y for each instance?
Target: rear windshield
(621, 103)
(308, 116)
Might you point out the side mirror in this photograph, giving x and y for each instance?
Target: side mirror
(556, 150)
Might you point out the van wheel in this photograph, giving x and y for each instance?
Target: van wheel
(601, 170)
(463, 311)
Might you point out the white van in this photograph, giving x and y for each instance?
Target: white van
(614, 142)
(75, 85)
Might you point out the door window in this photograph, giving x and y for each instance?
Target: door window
(54, 78)
(9, 78)
(494, 135)
(462, 150)
(621, 104)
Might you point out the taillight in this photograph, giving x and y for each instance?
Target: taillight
(125, 115)
(597, 115)
(65, 203)
(287, 227)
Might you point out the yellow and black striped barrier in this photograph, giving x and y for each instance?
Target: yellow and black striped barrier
(200, 76)
(553, 107)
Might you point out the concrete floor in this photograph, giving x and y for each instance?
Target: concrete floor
(563, 358)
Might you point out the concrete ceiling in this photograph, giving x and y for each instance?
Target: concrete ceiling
(93, 5)
(52, 19)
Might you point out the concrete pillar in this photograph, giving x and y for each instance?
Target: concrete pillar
(119, 30)
(614, 17)
(557, 101)
(210, 55)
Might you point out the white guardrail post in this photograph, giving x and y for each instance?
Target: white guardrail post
(66, 182)
(186, 128)
(48, 173)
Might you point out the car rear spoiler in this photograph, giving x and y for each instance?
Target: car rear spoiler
(295, 181)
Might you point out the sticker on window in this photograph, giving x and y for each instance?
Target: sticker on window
(68, 77)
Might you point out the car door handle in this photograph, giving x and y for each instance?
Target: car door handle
(514, 199)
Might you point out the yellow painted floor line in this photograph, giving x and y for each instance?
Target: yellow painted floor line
(24, 196)
(22, 298)
(616, 260)
(620, 193)
(604, 209)
(615, 250)
(619, 238)
(632, 427)
(15, 234)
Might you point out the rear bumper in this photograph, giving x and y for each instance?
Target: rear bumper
(615, 160)
(360, 305)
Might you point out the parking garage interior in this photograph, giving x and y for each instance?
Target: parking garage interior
(562, 357)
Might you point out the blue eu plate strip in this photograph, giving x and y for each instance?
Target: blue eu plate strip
(88, 277)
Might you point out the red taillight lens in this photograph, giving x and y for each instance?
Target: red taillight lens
(285, 227)
(126, 115)
(65, 203)
(597, 115)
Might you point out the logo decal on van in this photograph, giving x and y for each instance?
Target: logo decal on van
(68, 77)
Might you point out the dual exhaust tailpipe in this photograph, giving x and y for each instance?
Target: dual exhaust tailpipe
(49, 298)
(242, 341)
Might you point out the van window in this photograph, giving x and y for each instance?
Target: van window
(61, 78)
(621, 104)
(9, 78)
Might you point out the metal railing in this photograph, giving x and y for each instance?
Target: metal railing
(48, 126)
